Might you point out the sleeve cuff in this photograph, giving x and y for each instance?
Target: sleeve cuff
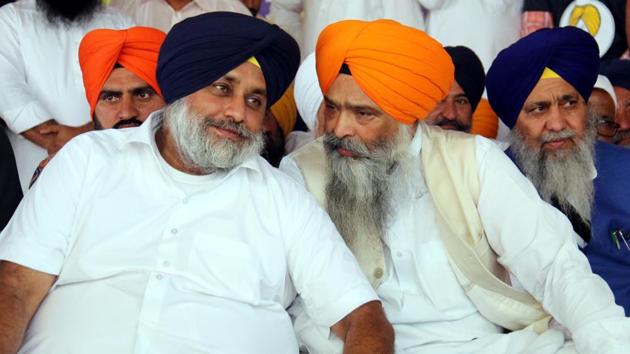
(32, 255)
(26, 117)
(342, 306)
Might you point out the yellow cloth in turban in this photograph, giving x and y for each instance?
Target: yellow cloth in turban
(403, 70)
(285, 111)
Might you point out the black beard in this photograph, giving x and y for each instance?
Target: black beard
(68, 11)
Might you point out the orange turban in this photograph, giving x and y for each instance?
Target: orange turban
(403, 70)
(136, 49)
(484, 121)
(285, 111)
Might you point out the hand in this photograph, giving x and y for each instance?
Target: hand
(41, 140)
(62, 134)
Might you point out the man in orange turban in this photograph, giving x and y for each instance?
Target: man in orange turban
(439, 220)
(118, 69)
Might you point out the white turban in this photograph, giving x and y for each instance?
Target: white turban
(603, 83)
(308, 95)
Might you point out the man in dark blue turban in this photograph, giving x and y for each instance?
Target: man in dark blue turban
(176, 236)
(540, 87)
(455, 111)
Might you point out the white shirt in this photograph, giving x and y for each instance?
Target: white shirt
(428, 308)
(152, 260)
(317, 14)
(485, 26)
(159, 14)
(40, 77)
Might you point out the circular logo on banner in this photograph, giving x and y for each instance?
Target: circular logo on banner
(593, 17)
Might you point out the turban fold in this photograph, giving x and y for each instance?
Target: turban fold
(201, 49)
(604, 84)
(285, 111)
(403, 70)
(569, 51)
(469, 73)
(136, 49)
(485, 121)
(308, 95)
(618, 72)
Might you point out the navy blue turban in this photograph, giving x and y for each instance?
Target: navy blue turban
(201, 49)
(468, 73)
(569, 51)
(618, 72)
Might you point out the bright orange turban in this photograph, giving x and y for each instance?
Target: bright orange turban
(136, 49)
(484, 121)
(402, 69)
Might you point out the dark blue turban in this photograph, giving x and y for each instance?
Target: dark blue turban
(201, 49)
(569, 51)
(618, 72)
(468, 73)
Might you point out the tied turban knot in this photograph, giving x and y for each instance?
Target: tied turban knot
(568, 51)
(136, 49)
(201, 49)
(403, 70)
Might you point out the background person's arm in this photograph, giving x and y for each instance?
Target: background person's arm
(21, 291)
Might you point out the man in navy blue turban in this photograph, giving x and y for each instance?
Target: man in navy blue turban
(540, 87)
(176, 236)
(455, 111)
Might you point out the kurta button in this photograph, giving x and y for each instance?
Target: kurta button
(173, 231)
(159, 277)
(378, 273)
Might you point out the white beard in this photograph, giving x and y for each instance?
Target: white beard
(199, 148)
(568, 176)
(361, 192)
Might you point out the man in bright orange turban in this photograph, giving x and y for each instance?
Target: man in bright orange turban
(119, 69)
(428, 213)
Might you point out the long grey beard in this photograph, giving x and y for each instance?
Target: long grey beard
(567, 176)
(199, 149)
(360, 192)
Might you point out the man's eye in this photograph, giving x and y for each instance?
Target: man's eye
(221, 88)
(254, 102)
(144, 95)
(110, 98)
(462, 101)
(570, 103)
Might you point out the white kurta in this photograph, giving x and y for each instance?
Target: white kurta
(427, 306)
(317, 14)
(40, 77)
(152, 260)
(159, 14)
(485, 26)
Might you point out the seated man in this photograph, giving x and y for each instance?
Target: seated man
(176, 237)
(539, 86)
(618, 72)
(455, 112)
(118, 69)
(440, 221)
(602, 104)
